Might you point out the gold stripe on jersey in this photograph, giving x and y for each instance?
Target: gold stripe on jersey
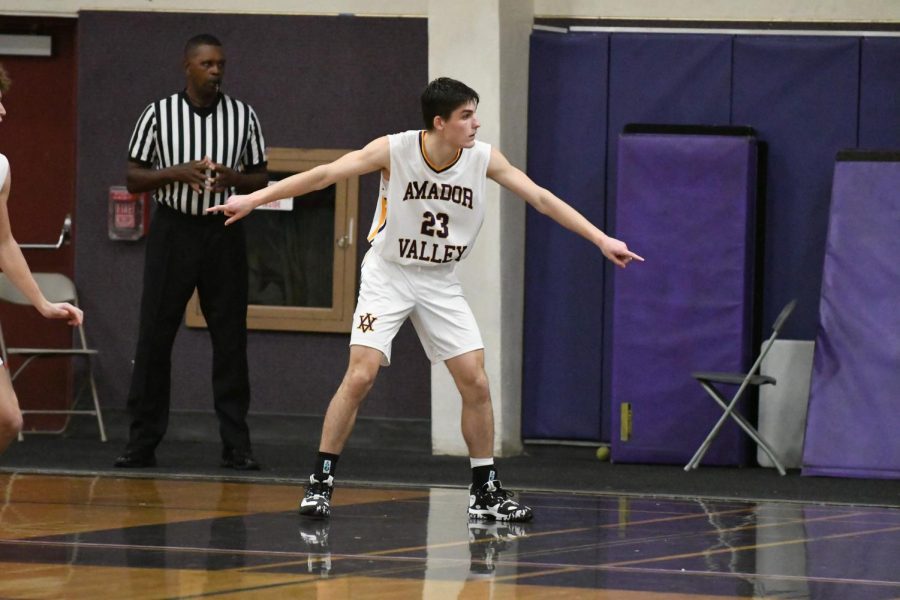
(428, 162)
(381, 219)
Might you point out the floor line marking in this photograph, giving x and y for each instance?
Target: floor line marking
(613, 567)
(647, 539)
(757, 546)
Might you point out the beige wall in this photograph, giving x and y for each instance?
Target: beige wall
(490, 53)
(725, 10)
(862, 11)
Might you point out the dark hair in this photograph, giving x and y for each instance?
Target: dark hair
(204, 39)
(442, 96)
(5, 81)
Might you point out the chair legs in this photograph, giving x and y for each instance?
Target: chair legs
(741, 421)
(96, 411)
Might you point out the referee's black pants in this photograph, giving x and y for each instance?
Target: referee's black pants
(184, 252)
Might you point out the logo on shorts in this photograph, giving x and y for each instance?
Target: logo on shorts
(367, 322)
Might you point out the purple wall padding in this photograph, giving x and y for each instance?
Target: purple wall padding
(806, 97)
(565, 274)
(686, 203)
(691, 77)
(691, 83)
(801, 96)
(854, 403)
(879, 93)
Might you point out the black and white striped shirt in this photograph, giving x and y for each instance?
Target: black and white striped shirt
(172, 131)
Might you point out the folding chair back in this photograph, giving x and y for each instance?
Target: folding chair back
(776, 329)
(56, 287)
(783, 316)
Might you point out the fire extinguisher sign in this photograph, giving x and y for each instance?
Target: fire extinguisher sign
(124, 207)
(127, 214)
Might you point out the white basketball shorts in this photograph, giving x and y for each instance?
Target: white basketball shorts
(431, 297)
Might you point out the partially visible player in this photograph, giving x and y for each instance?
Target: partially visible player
(431, 209)
(14, 267)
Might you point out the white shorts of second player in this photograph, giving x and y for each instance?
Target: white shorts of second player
(431, 297)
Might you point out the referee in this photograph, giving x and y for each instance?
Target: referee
(194, 149)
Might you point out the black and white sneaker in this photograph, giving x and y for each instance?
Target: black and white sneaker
(316, 502)
(492, 502)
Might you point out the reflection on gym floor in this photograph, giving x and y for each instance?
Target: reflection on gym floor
(91, 537)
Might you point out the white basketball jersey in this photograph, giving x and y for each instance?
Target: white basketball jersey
(4, 169)
(429, 215)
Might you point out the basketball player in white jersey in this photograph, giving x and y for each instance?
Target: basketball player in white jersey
(430, 212)
(16, 270)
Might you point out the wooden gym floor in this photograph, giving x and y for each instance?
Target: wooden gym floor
(103, 536)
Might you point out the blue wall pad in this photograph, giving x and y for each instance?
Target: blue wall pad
(667, 78)
(879, 94)
(562, 380)
(854, 404)
(800, 94)
(660, 78)
(806, 97)
(687, 204)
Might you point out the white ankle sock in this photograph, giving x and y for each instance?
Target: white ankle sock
(481, 462)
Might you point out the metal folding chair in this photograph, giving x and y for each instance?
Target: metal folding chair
(56, 287)
(743, 380)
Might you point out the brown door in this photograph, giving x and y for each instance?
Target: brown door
(38, 137)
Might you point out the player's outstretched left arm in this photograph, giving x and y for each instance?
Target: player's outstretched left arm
(545, 202)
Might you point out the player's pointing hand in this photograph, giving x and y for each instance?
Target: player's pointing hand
(617, 252)
(237, 207)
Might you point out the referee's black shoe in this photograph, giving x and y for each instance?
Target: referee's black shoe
(239, 461)
(133, 459)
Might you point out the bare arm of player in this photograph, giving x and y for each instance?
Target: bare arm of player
(545, 202)
(13, 265)
(373, 157)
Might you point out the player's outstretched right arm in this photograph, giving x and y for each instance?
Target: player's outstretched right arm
(373, 157)
(13, 265)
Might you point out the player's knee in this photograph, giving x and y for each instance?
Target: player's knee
(359, 379)
(10, 424)
(475, 383)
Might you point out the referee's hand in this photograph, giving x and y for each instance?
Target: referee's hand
(195, 173)
(222, 178)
